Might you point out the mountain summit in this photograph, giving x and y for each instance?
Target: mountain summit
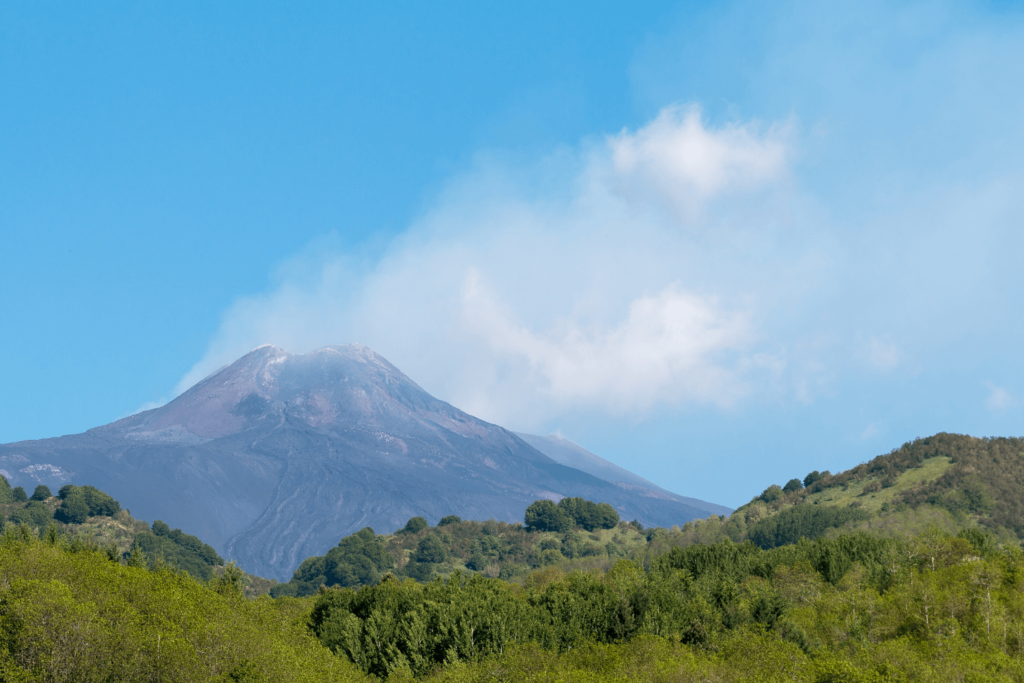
(277, 456)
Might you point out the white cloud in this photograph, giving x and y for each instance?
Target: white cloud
(520, 304)
(667, 349)
(999, 399)
(677, 160)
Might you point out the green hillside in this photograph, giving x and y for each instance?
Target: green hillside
(71, 612)
(575, 534)
(906, 568)
(88, 515)
(949, 482)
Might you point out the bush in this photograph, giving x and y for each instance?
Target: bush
(19, 495)
(450, 519)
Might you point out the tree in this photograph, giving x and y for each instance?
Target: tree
(99, 503)
(358, 560)
(232, 582)
(771, 494)
(6, 494)
(34, 514)
(815, 476)
(73, 509)
(543, 515)
(792, 485)
(589, 515)
(431, 550)
(138, 558)
(19, 495)
(414, 525)
(450, 519)
(41, 493)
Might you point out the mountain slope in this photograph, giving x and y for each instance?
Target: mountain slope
(277, 456)
(567, 453)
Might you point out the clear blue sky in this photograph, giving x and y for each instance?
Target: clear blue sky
(719, 245)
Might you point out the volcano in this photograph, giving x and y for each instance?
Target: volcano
(277, 456)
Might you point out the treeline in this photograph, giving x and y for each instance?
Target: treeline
(573, 530)
(851, 608)
(165, 546)
(74, 506)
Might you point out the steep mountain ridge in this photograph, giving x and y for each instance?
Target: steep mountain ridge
(277, 456)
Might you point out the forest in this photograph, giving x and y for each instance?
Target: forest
(906, 568)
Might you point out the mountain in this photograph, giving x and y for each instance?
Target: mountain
(567, 453)
(277, 456)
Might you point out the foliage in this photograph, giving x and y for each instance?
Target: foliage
(41, 493)
(544, 515)
(771, 494)
(815, 477)
(68, 613)
(357, 560)
(414, 525)
(6, 493)
(589, 515)
(80, 502)
(792, 485)
(177, 549)
(34, 514)
(19, 495)
(802, 521)
(850, 608)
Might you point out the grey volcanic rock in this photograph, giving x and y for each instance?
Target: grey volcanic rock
(277, 456)
(567, 453)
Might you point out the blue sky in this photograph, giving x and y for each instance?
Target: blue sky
(720, 245)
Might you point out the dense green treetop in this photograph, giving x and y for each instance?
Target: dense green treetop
(545, 515)
(41, 493)
(414, 525)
